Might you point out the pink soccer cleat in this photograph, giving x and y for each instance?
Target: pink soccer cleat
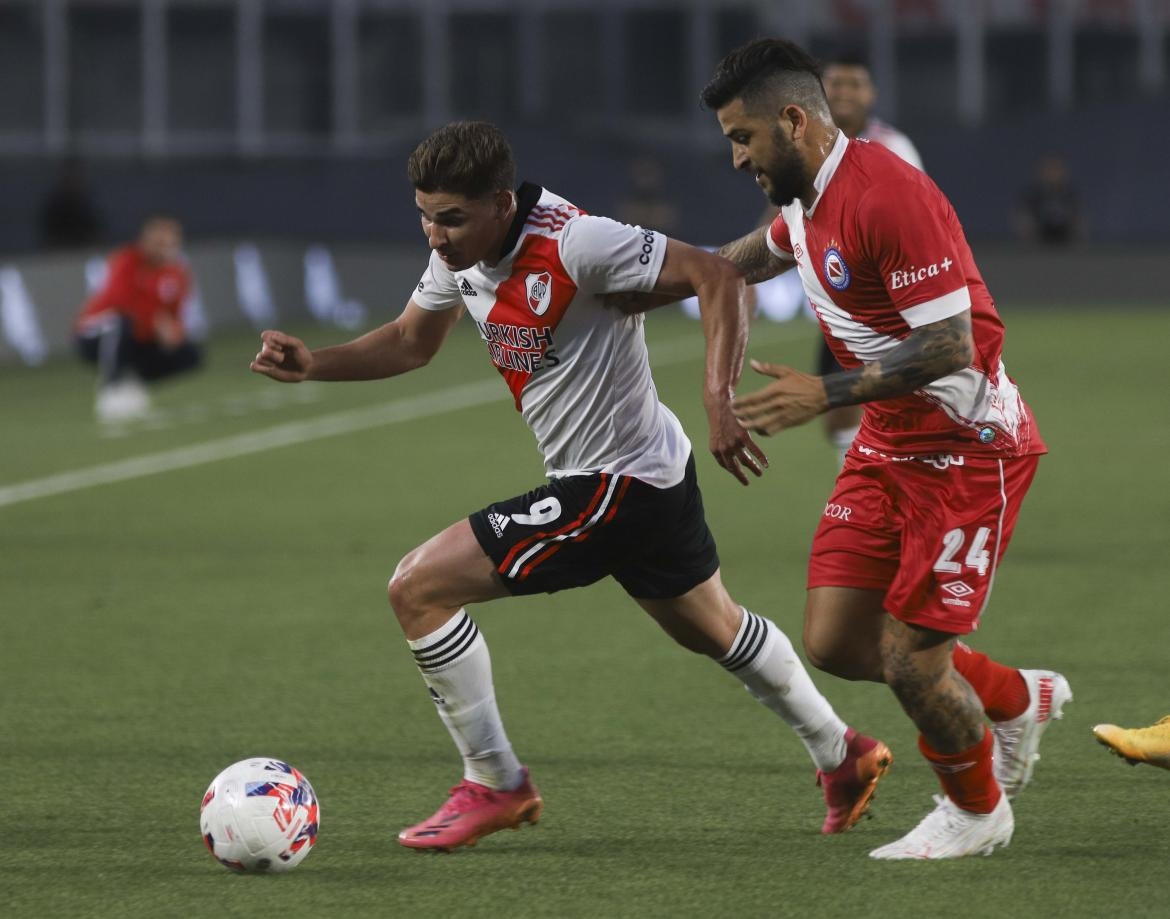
(850, 787)
(473, 811)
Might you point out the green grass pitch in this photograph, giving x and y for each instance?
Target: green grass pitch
(156, 629)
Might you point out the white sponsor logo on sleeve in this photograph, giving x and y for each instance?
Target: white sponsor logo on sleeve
(912, 275)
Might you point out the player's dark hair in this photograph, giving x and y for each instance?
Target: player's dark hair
(846, 57)
(769, 71)
(159, 217)
(469, 158)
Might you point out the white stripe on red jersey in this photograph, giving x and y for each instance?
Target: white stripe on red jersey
(578, 370)
(881, 252)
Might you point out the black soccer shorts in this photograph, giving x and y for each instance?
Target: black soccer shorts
(576, 530)
(826, 360)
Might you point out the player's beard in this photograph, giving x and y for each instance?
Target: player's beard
(785, 174)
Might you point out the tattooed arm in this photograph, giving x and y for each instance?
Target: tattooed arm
(926, 354)
(751, 255)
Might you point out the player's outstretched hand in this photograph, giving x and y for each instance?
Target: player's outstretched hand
(282, 357)
(792, 400)
(733, 447)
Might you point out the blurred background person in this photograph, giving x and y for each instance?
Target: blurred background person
(852, 95)
(132, 328)
(1049, 210)
(69, 218)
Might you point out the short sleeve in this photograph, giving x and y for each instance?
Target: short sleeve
(604, 255)
(778, 239)
(437, 289)
(900, 145)
(909, 234)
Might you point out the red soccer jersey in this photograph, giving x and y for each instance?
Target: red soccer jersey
(136, 288)
(880, 253)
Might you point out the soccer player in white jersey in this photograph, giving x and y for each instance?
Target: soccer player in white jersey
(905, 555)
(621, 497)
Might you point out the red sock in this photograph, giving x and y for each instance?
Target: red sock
(966, 777)
(1001, 689)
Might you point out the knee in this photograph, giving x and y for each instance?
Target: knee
(830, 657)
(407, 587)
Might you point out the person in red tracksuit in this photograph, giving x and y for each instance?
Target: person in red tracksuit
(132, 328)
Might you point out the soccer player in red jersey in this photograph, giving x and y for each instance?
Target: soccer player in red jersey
(906, 552)
(621, 500)
(132, 328)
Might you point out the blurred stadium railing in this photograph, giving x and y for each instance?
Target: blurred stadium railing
(289, 121)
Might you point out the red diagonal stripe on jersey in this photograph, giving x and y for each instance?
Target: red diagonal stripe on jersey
(537, 254)
(537, 537)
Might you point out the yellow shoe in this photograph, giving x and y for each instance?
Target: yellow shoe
(1138, 745)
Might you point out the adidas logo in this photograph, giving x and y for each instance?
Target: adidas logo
(467, 290)
(498, 522)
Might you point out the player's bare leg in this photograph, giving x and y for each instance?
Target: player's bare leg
(843, 632)
(707, 621)
(842, 636)
(974, 817)
(428, 592)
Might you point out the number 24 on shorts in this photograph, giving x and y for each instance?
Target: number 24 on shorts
(977, 555)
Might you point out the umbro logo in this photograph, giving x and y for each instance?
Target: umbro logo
(958, 589)
(498, 522)
(467, 290)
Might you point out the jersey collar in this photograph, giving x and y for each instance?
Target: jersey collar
(828, 170)
(526, 197)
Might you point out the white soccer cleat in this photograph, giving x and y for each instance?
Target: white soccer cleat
(121, 402)
(948, 831)
(1017, 740)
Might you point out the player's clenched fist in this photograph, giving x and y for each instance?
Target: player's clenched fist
(282, 357)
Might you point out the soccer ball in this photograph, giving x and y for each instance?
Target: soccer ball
(259, 815)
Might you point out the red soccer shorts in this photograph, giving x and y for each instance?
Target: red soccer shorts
(929, 532)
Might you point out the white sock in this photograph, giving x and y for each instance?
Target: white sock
(457, 668)
(843, 440)
(763, 657)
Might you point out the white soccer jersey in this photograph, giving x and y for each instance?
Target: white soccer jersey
(578, 370)
(892, 139)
